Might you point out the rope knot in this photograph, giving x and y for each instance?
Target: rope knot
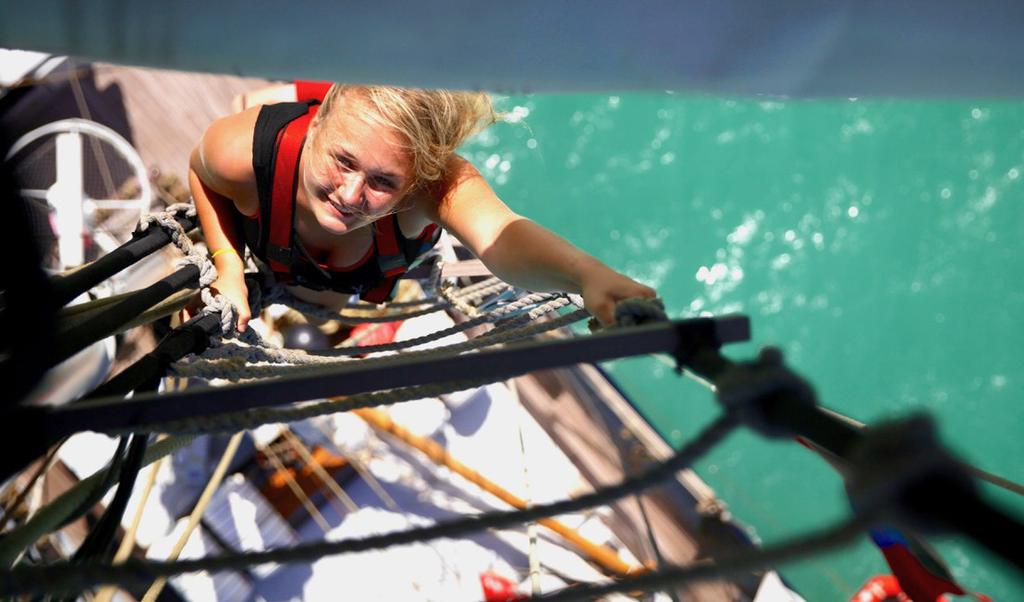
(219, 304)
(168, 220)
(207, 271)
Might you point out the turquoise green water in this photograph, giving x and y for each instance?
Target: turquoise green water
(876, 242)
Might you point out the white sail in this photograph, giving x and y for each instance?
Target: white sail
(843, 48)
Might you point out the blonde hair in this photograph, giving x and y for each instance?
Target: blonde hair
(434, 123)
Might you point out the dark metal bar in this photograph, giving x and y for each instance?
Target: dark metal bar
(822, 428)
(118, 414)
(67, 287)
(782, 401)
(894, 468)
(982, 522)
(98, 544)
(191, 337)
(109, 320)
(26, 298)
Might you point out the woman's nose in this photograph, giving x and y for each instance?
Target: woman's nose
(352, 188)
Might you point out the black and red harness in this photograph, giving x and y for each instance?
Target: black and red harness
(277, 147)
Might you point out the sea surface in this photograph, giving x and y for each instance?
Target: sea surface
(877, 243)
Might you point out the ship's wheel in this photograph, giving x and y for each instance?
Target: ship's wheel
(86, 188)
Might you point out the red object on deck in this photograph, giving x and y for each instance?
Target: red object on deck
(885, 588)
(375, 334)
(880, 588)
(498, 589)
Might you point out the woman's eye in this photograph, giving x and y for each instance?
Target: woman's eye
(382, 184)
(344, 162)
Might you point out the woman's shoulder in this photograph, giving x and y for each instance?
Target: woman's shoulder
(226, 145)
(459, 174)
(461, 182)
(223, 157)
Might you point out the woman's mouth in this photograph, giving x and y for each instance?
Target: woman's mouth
(340, 209)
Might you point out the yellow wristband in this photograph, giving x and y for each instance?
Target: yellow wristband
(225, 250)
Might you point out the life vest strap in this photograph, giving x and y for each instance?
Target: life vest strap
(382, 292)
(390, 256)
(311, 90)
(282, 207)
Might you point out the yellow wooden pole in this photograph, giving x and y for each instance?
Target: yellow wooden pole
(602, 555)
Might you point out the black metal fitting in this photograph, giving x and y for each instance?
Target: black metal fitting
(765, 395)
(699, 340)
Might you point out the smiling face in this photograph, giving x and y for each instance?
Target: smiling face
(354, 171)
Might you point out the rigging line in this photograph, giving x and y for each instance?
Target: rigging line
(249, 418)
(347, 503)
(197, 511)
(466, 299)
(155, 411)
(840, 465)
(504, 330)
(296, 489)
(283, 297)
(360, 468)
(994, 479)
(171, 305)
(988, 477)
(550, 303)
(235, 363)
(209, 365)
(65, 577)
(353, 341)
(602, 555)
(474, 292)
(364, 306)
(88, 307)
(83, 108)
(99, 543)
(46, 464)
(112, 318)
(70, 284)
(617, 443)
(128, 541)
(669, 361)
(110, 476)
(531, 529)
(255, 417)
(297, 412)
(191, 337)
(739, 563)
(50, 516)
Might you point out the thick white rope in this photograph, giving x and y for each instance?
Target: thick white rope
(167, 220)
(238, 362)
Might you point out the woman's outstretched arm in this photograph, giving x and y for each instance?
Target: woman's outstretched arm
(524, 253)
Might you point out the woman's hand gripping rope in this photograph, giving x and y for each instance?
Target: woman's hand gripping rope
(604, 289)
(230, 283)
(630, 311)
(224, 294)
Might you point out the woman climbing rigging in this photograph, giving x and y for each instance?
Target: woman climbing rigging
(340, 196)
